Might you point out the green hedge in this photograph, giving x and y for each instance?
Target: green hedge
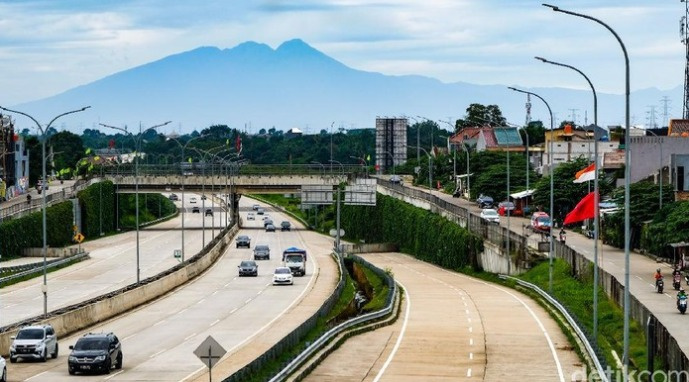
(151, 207)
(423, 234)
(91, 208)
(27, 231)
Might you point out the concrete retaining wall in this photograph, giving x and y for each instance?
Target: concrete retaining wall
(80, 316)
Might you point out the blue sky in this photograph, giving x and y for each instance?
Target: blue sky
(50, 46)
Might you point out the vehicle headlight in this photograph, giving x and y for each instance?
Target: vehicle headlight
(72, 358)
(100, 358)
(40, 346)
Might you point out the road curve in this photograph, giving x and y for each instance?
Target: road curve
(112, 265)
(245, 315)
(454, 327)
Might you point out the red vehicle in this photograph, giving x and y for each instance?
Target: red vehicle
(541, 223)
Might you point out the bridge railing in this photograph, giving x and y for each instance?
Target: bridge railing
(197, 169)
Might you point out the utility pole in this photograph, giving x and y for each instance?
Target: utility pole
(684, 36)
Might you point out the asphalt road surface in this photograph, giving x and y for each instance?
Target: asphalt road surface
(112, 266)
(454, 328)
(244, 314)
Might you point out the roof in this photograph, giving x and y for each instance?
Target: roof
(523, 194)
(507, 136)
(468, 134)
(678, 127)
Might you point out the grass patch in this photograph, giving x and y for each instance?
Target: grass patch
(380, 291)
(38, 272)
(577, 296)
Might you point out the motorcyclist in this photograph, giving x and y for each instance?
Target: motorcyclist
(658, 276)
(681, 294)
(676, 272)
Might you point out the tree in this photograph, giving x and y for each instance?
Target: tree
(477, 114)
(670, 225)
(68, 149)
(217, 132)
(536, 132)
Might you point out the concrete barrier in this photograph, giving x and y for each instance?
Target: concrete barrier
(88, 313)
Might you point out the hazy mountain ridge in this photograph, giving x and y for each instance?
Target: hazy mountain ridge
(296, 85)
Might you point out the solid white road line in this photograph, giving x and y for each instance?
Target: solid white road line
(401, 336)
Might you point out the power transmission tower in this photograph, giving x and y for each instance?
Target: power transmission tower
(651, 117)
(574, 115)
(684, 35)
(666, 109)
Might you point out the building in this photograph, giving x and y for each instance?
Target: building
(570, 144)
(391, 143)
(293, 133)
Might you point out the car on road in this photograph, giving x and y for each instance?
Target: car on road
(209, 212)
(270, 228)
(250, 216)
(503, 207)
(3, 368)
(260, 211)
(192, 200)
(203, 197)
(261, 252)
(396, 179)
(255, 207)
(34, 342)
(195, 210)
(541, 223)
(285, 226)
(484, 201)
(174, 197)
(490, 215)
(243, 241)
(266, 222)
(248, 268)
(282, 275)
(95, 352)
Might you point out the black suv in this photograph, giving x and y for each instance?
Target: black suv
(95, 352)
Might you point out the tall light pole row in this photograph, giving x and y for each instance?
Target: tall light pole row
(44, 138)
(137, 148)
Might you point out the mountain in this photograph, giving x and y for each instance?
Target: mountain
(296, 85)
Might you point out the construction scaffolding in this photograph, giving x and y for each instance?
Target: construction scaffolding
(391, 143)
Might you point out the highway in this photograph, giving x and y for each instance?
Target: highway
(454, 327)
(244, 314)
(112, 265)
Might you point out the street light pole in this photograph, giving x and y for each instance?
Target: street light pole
(430, 169)
(552, 188)
(44, 137)
(627, 176)
(137, 148)
(596, 195)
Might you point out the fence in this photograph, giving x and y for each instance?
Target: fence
(21, 209)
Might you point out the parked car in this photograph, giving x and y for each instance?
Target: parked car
(484, 201)
(95, 352)
(541, 223)
(282, 275)
(195, 210)
(243, 241)
(3, 367)
(34, 342)
(248, 268)
(209, 212)
(262, 252)
(285, 226)
(270, 228)
(490, 215)
(174, 197)
(396, 179)
(503, 207)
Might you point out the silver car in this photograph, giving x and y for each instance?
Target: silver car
(34, 342)
(490, 215)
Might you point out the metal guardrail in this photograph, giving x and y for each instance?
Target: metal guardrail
(23, 208)
(35, 267)
(317, 345)
(572, 322)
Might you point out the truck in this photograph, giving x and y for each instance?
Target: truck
(295, 259)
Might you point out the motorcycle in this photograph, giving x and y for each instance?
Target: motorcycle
(682, 304)
(660, 284)
(676, 281)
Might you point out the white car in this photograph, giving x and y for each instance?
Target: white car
(3, 367)
(250, 216)
(282, 275)
(192, 200)
(34, 342)
(490, 215)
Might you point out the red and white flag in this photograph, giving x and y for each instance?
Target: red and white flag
(582, 211)
(589, 173)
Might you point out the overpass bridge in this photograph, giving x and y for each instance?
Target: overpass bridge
(239, 179)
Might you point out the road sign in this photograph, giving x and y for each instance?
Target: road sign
(79, 237)
(210, 352)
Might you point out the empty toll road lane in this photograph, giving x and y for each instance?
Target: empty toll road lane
(454, 327)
